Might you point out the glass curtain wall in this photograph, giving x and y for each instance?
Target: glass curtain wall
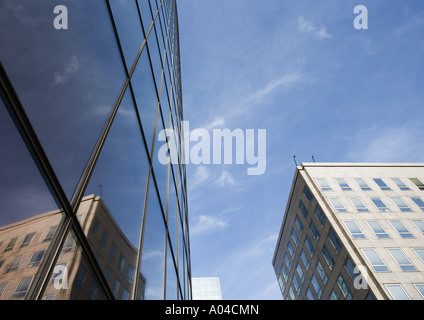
(87, 210)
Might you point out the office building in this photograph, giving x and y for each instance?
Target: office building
(87, 210)
(206, 288)
(353, 231)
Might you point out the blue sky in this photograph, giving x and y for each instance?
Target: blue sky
(300, 70)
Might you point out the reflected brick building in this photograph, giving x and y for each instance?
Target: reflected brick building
(80, 113)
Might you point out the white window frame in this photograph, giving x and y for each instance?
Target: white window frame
(363, 185)
(402, 266)
(381, 209)
(401, 204)
(343, 181)
(385, 231)
(324, 185)
(401, 185)
(376, 265)
(387, 285)
(358, 235)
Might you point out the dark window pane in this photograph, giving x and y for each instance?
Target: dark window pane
(145, 96)
(67, 80)
(128, 24)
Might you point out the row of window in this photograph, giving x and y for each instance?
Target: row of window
(27, 239)
(360, 206)
(341, 182)
(398, 292)
(380, 232)
(397, 254)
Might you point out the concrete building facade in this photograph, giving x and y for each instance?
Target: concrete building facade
(353, 231)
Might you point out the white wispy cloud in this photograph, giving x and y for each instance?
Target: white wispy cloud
(395, 144)
(199, 177)
(225, 179)
(71, 67)
(207, 224)
(318, 32)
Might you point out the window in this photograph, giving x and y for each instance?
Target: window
(327, 257)
(104, 239)
(397, 292)
(309, 294)
(334, 240)
(418, 183)
(402, 260)
(323, 184)
(344, 288)
(116, 287)
(287, 260)
(291, 249)
(296, 284)
(322, 273)
(316, 286)
(320, 215)
(22, 288)
(15, 264)
(308, 194)
(284, 272)
(361, 183)
(343, 184)
(378, 229)
(121, 263)
(419, 224)
(304, 260)
(93, 290)
(418, 202)
(36, 259)
(27, 239)
(310, 247)
(401, 205)
(303, 209)
(359, 205)
(380, 205)
(95, 226)
(299, 224)
(50, 234)
(295, 237)
(300, 273)
(314, 230)
(11, 245)
(375, 260)
(381, 184)
(112, 251)
(333, 295)
(419, 287)
(350, 268)
(420, 253)
(3, 287)
(403, 231)
(281, 283)
(354, 230)
(337, 204)
(400, 184)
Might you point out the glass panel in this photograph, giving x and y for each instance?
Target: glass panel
(114, 198)
(153, 251)
(418, 183)
(171, 277)
(380, 205)
(397, 292)
(381, 184)
(375, 260)
(343, 184)
(400, 184)
(128, 24)
(401, 205)
(403, 231)
(354, 230)
(419, 202)
(28, 212)
(145, 97)
(146, 14)
(337, 204)
(67, 80)
(360, 206)
(73, 277)
(402, 260)
(362, 184)
(378, 229)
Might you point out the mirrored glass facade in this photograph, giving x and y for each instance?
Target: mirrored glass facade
(87, 210)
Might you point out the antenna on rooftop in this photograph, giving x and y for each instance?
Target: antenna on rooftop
(294, 158)
(313, 158)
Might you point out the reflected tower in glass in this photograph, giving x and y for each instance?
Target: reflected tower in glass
(87, 210)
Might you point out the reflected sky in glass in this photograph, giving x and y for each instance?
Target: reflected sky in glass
(120, 175)
(67, 80)
(23, 192)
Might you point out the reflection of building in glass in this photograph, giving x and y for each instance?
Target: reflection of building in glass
(353, 231)
(80, 113)
(24, 244)
(206, 288)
